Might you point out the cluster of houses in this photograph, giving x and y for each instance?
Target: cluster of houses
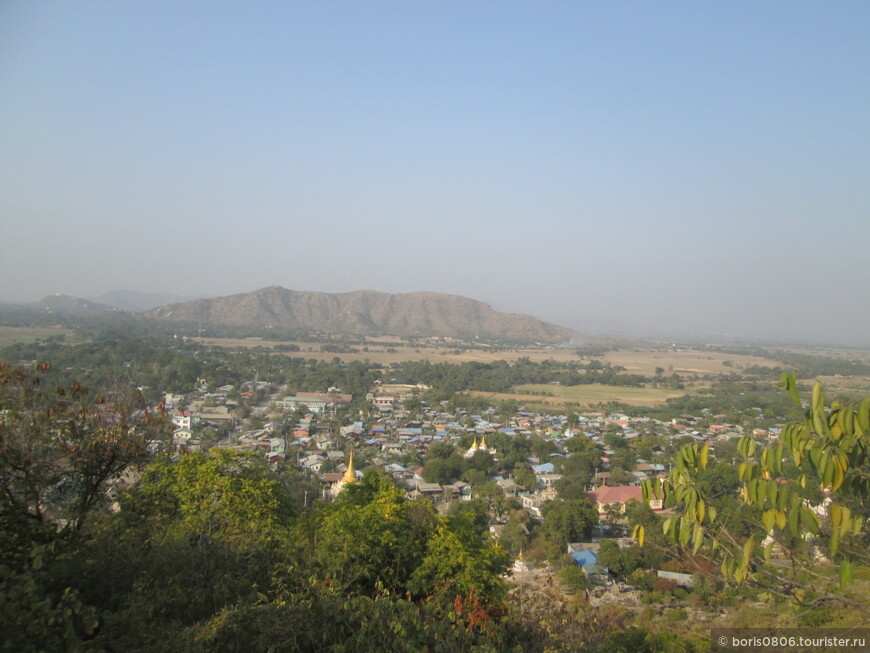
(398, 442)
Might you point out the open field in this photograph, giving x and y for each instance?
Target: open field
(848, 387)
(682, 361)
(635, 360)
(13, 335)
(377, 353)
(583, 396)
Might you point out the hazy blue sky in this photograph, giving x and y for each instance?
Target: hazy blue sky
(658, 167)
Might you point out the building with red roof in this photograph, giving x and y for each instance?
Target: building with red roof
(619, 495)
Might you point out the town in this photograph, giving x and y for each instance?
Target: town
(509, 463)
(568, 511)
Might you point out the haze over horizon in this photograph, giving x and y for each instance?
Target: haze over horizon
(669, 168)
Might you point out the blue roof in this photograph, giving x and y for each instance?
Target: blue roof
(546, 468)
(583, 558)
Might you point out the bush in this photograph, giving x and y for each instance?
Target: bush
(703, 589)
(665, 585)
(676, 614)
(572, 578)
(654, 597)
(641, 580)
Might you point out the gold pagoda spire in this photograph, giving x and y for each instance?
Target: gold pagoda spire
(474, 446)
(350, 474)
(483, 442)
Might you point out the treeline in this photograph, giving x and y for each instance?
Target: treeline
(175, 365)
(733, 399)
(500, 376)
(812, 365)
(170, 364)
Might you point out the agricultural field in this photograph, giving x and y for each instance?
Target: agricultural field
(583, 396)
(10, 335)
(845, 386)
(386, 353)
(636, 360)
(683, 361)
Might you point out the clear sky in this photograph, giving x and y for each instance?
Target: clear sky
(652, 167)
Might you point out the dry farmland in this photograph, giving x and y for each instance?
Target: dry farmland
(583, 396)
(638, 360)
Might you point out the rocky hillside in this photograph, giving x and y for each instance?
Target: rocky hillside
(364, 312)
(134, 302)
(66, 305)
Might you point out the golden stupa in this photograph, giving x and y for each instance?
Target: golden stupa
(350, 474)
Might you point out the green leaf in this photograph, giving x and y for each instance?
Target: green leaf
(863, 416)
(689, 454)
(794, 520)
(834, 543)
(748, 547)
(781, 520)
(772, 492)
(685, 531)
(836, 514)
(638, 534)
(847, 574)
(788, 382)
(753, 491)
(845, 520)
(768, 519)
(697, 538)
(818, 398)
(827, 469)
(809, 519)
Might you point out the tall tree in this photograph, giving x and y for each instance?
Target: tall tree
(62, 446)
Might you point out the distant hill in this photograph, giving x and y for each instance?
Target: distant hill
(136, 302)
(364, 312)
(66, 305)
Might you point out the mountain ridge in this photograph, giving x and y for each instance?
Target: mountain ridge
(364, 312)
(136, 302)
(59, 304)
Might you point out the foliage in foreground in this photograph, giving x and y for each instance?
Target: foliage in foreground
(211, 551)
(808, 494)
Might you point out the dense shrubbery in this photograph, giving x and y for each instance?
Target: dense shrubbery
(210, 553)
